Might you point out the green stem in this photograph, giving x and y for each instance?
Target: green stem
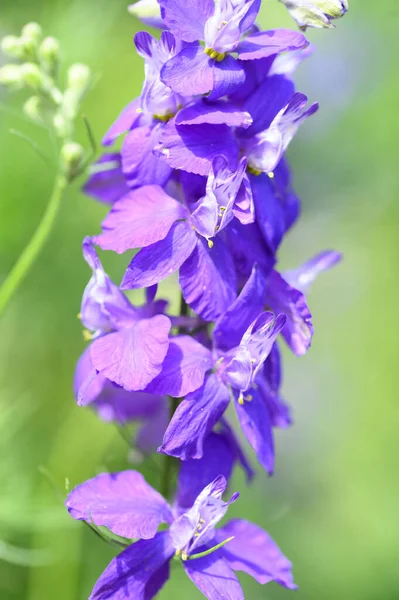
(206, 552)
(31, 251)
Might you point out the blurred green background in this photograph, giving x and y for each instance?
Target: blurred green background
(333, 504)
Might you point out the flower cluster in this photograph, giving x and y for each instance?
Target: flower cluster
(201, 187)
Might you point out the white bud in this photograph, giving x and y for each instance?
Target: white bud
(72, 155)
(32, 30)
(316, 13)
(10, 76)
(49, 53)
(32, 76)
(11, 45)
(60, 125)
(34, 109)
(79, 78)
(147, 11)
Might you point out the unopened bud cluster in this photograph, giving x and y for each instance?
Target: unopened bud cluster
(316, 13)
(35, 68)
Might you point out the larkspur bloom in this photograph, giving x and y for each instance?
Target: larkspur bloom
(129, 507)
(202, 186)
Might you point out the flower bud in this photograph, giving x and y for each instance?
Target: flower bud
(49, 53)
(316, 13)
(32, 30)
(147, 11)
(34, 109)
(10, 76)
(60, 125)
(72, 155)
(11, 45)
(31, 76)
(79, 78)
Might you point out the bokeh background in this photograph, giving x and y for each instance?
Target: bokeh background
(333, 502)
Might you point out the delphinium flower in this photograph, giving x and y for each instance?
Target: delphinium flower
(201, 186)
(129, 507)
(36, 70)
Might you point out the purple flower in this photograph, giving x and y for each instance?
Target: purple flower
(235, 374)
(113, 403)
(221, 26)
(130, 343)
(151, 219)
(129, 507)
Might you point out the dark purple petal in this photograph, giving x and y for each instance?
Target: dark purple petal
(183, 369)
(158, 261)
(254, 419)
(141, 218)
(87, 383)
(266, 101)
(102, 303)
(253, 551)
(123, 123)
(215, 113)
(248, 248)
(194, 148)
(151, 432)
(139, 163)
(186, 18)
(230, 436)
(190, 72)
(232, 325)
(208, 280)
(133, 356)
(304, 276)
(218, 458)
(228, 77)
(157, 581)
(123, 502)
(214, 578)
(138, 572)
(194, 419)
(116, 404)
(298, 329)
(144, 44)
(269, 211)
(268, 43)
(107, 184)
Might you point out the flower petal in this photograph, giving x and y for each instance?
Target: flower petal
(138, 572)
(269, 210)
(228, 77)
(190, 72)
(158, 261)
(183, 369)
(218, 459)
(194, 148)
(186, 18)
(194, 419)
(140, 165)
(215, 113)
(208, 280)
(132, 357)
(266, 102)
(108, 184)
(232, 325)
(254, 419)
(298, 329)
(304, 276)
(141, 218)
(253, 551)
(214, 578)
(87, 383)
(123, 502)
(269, 43)
(123, 123)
